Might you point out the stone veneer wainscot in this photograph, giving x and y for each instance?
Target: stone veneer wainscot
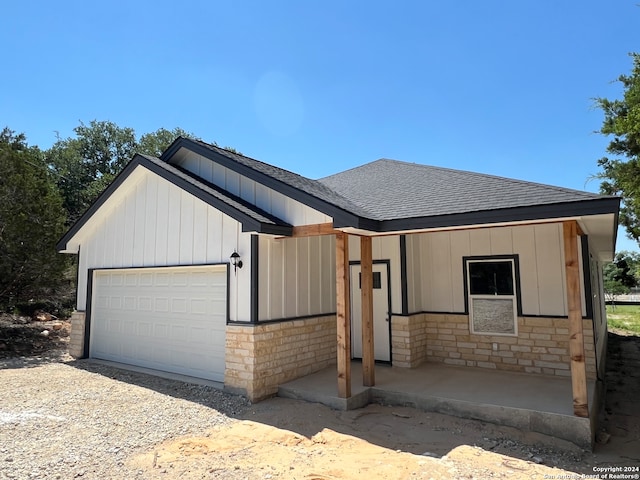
(542, 344)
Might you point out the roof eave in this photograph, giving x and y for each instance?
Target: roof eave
(249, 224)
(343, 216)
(597, 206)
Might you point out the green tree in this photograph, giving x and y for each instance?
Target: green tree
(155, 143)
(621, 275)
(84, 165)
(612, 283)
(32, 219)
(627, 268)
(621, 175)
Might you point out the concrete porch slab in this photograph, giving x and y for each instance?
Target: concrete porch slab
(529, 402)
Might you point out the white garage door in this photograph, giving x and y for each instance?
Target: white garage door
(171, 319)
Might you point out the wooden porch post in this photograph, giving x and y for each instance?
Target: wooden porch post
(366, 289)
(343, 314)
(574, 304)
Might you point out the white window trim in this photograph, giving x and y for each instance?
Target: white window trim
(513, 298)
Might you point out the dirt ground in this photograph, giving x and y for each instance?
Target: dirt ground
(282, 438)
(289, 439)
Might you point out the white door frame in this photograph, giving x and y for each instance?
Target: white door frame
(381, 311)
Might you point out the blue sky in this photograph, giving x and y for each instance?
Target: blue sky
(499, 87)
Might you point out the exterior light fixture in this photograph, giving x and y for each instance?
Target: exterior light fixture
(236, 261)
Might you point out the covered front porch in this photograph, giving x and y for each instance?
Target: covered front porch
(533, 377)
(545, 353)
(536, 403)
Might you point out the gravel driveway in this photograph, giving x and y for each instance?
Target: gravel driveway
(82, 420)
(67, 419)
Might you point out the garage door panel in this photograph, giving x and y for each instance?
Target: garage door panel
(161, 304)
(115, 303)
(173, 320)
(198, 306)
(178, 305)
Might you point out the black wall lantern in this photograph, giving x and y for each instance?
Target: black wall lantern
(236, 261)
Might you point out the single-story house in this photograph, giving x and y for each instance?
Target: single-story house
(207, 263)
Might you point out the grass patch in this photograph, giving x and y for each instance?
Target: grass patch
(624, 317)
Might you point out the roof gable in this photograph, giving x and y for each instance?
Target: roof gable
(302, 189)
(251, 217)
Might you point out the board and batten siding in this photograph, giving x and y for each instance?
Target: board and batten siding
(296, 277)
(436, 275)
(269, 200)
(155, 223)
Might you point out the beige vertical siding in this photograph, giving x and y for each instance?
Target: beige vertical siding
(296, 277)
(439, 284)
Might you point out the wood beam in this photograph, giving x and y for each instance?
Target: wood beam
(574, 304)
(366, 290)
(313, 230)
(343, 314)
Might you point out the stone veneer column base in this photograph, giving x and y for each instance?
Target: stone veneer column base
(76, 339)
(409, 340)
(261, 357)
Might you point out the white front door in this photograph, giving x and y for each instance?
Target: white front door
(381, 312)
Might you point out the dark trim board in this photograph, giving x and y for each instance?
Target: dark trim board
(586, 275)
(517, 214)
(280, 320)
(76, 260)
(171, 265)
(524, 315)
(358, 262)
(516, 267)
(88, 312)
(404, 289)
(255, 265)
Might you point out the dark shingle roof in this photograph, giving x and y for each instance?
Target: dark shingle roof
(383, 196)
(390, 190)
(389, 195)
